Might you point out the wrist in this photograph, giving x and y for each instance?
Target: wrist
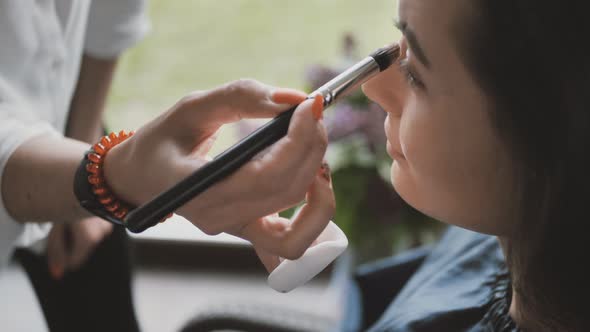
(98, 183)
(90, 186)
(116, 168)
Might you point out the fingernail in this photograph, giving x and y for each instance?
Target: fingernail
(318, 107)
(287, 97)
(325, 172)
(56, 271)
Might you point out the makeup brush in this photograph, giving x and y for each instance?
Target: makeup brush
(230, 160)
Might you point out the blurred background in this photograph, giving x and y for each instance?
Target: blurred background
(197, 45)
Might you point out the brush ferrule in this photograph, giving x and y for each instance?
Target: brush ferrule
(348, 80)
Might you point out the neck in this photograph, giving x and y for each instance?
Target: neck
(514, 311)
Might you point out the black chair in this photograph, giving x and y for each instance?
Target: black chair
(257, 318)
(378, 284)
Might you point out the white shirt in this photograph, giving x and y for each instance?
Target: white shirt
(41, 46)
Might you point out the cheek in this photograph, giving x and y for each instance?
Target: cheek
(455, 170)
(415, 177)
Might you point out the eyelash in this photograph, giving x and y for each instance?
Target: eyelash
(405, 68)
(410, 75)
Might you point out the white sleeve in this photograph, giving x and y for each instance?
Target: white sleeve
(17, 125)
(114, 26)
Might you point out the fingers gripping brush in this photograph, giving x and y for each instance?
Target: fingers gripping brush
(233, 158)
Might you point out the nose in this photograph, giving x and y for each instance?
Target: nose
(388, 89)
(366, 88)
(374, 87)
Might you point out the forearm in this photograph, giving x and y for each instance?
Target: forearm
(88, 103)
(37, 184)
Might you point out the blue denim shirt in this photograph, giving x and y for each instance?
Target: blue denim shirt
(447, 288)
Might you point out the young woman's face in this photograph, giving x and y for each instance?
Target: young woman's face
(448, 161)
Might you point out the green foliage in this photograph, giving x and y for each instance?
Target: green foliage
(195, 45)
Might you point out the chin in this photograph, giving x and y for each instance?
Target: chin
(405, 186)
(402, 183)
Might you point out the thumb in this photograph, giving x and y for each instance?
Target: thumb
(56, 251)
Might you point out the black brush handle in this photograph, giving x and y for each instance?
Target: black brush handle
(229, 161)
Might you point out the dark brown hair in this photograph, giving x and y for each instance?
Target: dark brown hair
(531, 58)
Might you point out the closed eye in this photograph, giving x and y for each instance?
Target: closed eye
(410, 75)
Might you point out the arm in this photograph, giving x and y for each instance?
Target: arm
(86, 110)
(38, 178)
(69, 245)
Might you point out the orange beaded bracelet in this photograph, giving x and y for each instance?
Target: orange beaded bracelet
(102, 193)
(96, 177)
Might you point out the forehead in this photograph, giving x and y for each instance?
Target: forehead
(443, 11)
(431, 17)
(435, 24)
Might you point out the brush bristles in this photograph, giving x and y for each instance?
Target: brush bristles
(387, 55)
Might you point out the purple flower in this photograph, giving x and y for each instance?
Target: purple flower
(347, 119)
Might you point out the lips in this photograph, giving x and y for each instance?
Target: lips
(392, 149)
(393, 153)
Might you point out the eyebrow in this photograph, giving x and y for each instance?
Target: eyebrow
(413, 41)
